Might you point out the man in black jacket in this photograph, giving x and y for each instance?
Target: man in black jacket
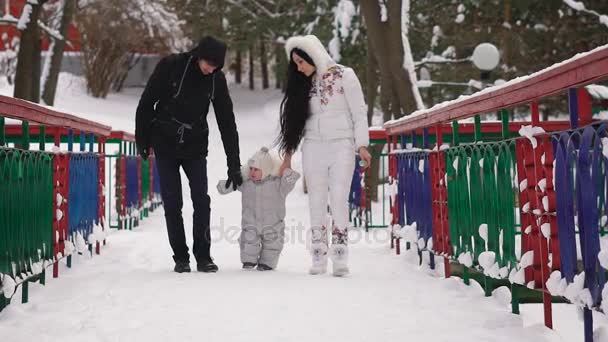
(171, 119)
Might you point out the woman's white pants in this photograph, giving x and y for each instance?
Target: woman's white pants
(328, 170)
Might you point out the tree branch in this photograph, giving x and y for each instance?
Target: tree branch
(10, 20)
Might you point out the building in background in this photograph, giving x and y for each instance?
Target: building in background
(71, 63)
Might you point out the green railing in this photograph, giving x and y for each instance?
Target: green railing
(26, 210)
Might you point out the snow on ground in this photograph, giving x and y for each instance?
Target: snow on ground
(130, 293)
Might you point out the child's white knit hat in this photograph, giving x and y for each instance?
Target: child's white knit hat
(264, 161)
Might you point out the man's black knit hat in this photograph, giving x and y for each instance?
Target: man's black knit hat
(211, 50)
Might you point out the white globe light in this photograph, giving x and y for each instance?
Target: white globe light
(486, 56)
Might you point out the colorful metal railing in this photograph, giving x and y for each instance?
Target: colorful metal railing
(528, 211)
(53, 204)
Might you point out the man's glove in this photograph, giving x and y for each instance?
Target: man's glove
(235, 179)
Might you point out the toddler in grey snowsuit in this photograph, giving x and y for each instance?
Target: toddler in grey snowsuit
(263, 210)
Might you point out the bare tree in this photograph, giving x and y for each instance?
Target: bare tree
(27, 78)
(385, 39)
(251, 70)
(113, 30)
(50, 74)
(264, 65)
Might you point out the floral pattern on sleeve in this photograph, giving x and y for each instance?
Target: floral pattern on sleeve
(326, 87)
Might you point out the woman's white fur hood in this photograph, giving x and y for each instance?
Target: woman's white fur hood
(314, 48)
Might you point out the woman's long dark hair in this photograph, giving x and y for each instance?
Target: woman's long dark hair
(295, 109)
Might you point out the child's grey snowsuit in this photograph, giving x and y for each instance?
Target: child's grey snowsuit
(263, 214)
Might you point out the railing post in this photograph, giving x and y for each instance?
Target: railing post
(42, 138)
(504, 118)
(477, 128)
(91, 142)
(25, 135)
(573, 106)
(82, 141)
(70, 149)
(2, 131)
(584, 107)
(70, 140)
(455, 137)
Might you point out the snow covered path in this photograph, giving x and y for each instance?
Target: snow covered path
(129, 293)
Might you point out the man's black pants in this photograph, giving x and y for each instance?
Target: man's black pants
(171, 191)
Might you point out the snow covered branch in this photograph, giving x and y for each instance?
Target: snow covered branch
(436, 59)
(10, 20)
(580, 7)
(241, 4)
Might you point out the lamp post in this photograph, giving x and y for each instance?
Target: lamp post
(485, 58)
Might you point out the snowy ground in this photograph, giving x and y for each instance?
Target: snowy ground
(129, 293)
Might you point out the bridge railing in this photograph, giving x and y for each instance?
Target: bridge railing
(511, 203)
(53, 176)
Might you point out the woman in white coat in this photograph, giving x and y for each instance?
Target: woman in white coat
(324, 109)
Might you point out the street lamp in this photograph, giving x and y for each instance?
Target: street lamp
(485, 58)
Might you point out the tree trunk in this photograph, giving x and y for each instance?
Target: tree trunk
(264, 65)
(387, 46)
(372, 178)
(27, 78)
(129, 64)
(371, 88)
(278, 67)
(238, 67)
(251, 59)
(50, 84)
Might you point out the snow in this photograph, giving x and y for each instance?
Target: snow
(58, 215)
(517, 276)
(605, 147)
(487, 259)
(575, 292)
(576, 5)
(527, 259)
(523, 185)
(345, 11)
(546, 203)
(409, 233)
(343, 16)
(545, 229)
(502, 296)
(383, 11)
(134, 274)
(459, 18)
(556, 284)
(542, 184)
(26, 14)
(603, 258)
(529, 132)
(466, 259)
(597, 91)
(483, 232)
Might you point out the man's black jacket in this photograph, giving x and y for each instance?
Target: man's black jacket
(177, 125)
